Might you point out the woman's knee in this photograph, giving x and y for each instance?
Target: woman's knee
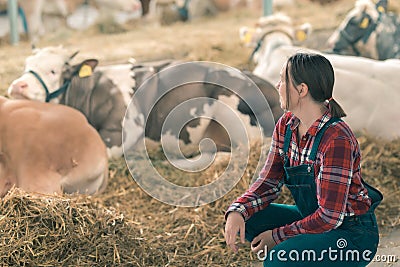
(274, 216)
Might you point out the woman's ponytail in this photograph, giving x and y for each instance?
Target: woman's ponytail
(335, 109)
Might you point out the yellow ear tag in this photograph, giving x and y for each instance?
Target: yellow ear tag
(364, 23)
(248, 37)
(301, 35)
(381, 9)
(85, 71)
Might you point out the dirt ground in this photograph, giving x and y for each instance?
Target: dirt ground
(176, 235)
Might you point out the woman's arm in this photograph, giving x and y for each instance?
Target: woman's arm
(333, 184)
(269, 183)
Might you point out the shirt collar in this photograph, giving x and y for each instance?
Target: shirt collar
(315, 127)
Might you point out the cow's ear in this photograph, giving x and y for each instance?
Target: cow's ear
(302, 32)
(35, 49)
(381, 6)
(247, 35)
(86, 67)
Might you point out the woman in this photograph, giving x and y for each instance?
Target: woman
(316, 155)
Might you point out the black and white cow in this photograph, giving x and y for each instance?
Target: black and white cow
(368, 31)
(220, 84)
(104, 93)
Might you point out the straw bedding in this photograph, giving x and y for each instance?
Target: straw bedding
(124, 226)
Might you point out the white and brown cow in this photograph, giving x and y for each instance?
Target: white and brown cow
(195, 9)
(366, 88)
(77, 14)
(169, 11)
(49, 77)
(47, 148)
(272, 33)
(368, 31)
(84, 14)
(32, 13)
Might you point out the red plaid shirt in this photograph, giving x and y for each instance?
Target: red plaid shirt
(340, 191)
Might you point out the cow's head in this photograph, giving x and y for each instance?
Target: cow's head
(45, 75)
(358, 25)
(270, 27)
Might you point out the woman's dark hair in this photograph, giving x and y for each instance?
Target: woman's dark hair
(317, 73)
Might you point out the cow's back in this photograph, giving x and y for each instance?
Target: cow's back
(388, 37)
(102, 102)
(51, 148)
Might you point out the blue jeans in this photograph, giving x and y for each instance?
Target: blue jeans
(354, 243)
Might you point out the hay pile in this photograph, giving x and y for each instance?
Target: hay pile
(125, 227)
(39, 230)
(381, 169)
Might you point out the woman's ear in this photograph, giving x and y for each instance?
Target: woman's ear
(302, 89)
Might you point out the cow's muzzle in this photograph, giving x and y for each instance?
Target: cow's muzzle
(50, 96)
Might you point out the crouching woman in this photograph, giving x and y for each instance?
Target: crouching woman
(317, 157)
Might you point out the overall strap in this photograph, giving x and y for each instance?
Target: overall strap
(319, 136)
(288, 138)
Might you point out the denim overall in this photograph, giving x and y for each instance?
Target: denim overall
(343, 246)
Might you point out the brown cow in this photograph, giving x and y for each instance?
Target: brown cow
(49, 148)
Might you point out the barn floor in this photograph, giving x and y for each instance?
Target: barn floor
(124, 226)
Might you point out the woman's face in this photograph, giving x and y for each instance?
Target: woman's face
(293, 93)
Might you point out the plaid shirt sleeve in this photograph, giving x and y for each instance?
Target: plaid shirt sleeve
(269, 183)
(334, 179)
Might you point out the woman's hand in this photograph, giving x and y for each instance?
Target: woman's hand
(234, 224)
(262, 240)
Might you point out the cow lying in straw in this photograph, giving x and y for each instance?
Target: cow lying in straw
(49, 148)
(366, 88)
(256, 106)
(368, 31)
